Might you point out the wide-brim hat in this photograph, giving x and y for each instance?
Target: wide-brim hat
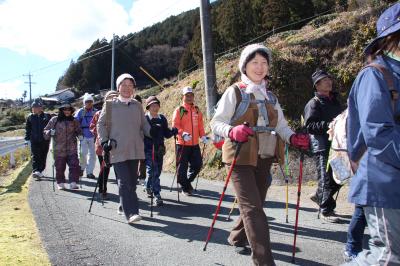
(152, 99)
(388, 23)
(66, 106)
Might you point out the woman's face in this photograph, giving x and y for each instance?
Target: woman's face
(324, 86)
(257, 68)
(67, 112)
(126, 88)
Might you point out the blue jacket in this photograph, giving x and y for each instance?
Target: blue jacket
(84, 118)
(371, 123)
(164, 132)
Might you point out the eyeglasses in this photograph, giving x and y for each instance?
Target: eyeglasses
(127, 86)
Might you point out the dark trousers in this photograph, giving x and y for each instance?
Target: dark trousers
(153, 170)
(61, 163)
(251, 184)
(355, 233)
(39, 152)
(142, 169)
(188, 157)
(126, 173)
(103, 175)
(327, 187)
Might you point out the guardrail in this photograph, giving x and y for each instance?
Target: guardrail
(9, 146)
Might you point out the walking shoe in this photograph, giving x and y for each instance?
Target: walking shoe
(104, 196)
(243, 250)
(186, 193)
(41, 175)
(330, 217)
(314, 198)
(348, 256)
(91, 176)
(149, 193)
(134, 218)
(60, 186)
(159, 201)
(36, 175)
(73, 185)
(80, 173)
(120, 211)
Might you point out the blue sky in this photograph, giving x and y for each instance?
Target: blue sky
(41, 37)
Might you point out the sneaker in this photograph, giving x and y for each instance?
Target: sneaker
(134, 218)
(41, 175)
(159, 201)
(314, 198)
(36, 175)
(60, 186)
(243, 250)
(330, 217)
(103, 195)
(73, 185)
(186, 193)
(348, 256)
(120, 211)
(90, 176)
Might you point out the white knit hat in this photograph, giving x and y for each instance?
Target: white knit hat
(87, 97)
(122, 77)
(250, 49)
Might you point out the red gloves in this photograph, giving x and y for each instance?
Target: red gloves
(300, 140)
(240, 133)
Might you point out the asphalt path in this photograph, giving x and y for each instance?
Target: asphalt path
(175, 235)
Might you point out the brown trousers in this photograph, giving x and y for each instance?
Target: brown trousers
(250, 184)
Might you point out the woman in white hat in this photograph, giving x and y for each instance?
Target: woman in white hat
(250, 101)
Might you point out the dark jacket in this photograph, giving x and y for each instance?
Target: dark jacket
(318, 113)
(164, 132)
(34, 127)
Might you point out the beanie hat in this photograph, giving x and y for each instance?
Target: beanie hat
(122, 77)
(87, 97)
(186, 90)
(37, 103)
(152, 99)
(66, 106)
(249, 50)
(318, 75)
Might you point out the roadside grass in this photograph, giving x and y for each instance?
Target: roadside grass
(19, 239)
(13, 133)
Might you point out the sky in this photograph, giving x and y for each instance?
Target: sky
(41, 37)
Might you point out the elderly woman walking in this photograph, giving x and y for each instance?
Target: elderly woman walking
(250, 101)
(121, 129)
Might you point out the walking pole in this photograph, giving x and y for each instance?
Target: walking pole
(54, 162)
(323, 191)
(287, 191)
(97, 184)
(152, 182)
(298, 205)
(287, 181)
(238, 146)
(202, 156)
(233, 207)
(80, 160)
(103, 165)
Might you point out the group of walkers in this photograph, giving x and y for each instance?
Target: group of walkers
(248, 115)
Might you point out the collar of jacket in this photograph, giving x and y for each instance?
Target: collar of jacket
(393, 64)
(332, 96)
(188, 106)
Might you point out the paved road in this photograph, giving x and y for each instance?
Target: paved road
(176, 233)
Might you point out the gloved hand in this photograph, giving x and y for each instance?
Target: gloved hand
(186, 136)
(155, 130)
(300, 140)
(80, 137)
(205, 139)
(52, 132)
(240, 133)
(174, 131)
(28, 143)
(106, 146)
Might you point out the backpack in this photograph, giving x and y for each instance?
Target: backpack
(339, 161)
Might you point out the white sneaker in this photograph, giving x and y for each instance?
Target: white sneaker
(61, 186)
(73, 185)
(41, 175)
(134, 218)
(36, 175)
(120, 211)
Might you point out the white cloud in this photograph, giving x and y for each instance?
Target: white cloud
(56, 29)
(147, 12)
(12, 90)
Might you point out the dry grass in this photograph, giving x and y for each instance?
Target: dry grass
(19, 238)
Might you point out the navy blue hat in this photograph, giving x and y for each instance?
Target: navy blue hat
(318, 75)
(37, 103)
(388, 23)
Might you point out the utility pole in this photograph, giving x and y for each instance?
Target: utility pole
(208, 56)
(30, 86)
(112, 62)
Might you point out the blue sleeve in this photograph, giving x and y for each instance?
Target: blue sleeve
(78, 115)
(376, 116)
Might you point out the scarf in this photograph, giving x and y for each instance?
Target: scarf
(124, 100)
(253, 88)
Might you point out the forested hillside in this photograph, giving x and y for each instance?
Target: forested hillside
(174, 45)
